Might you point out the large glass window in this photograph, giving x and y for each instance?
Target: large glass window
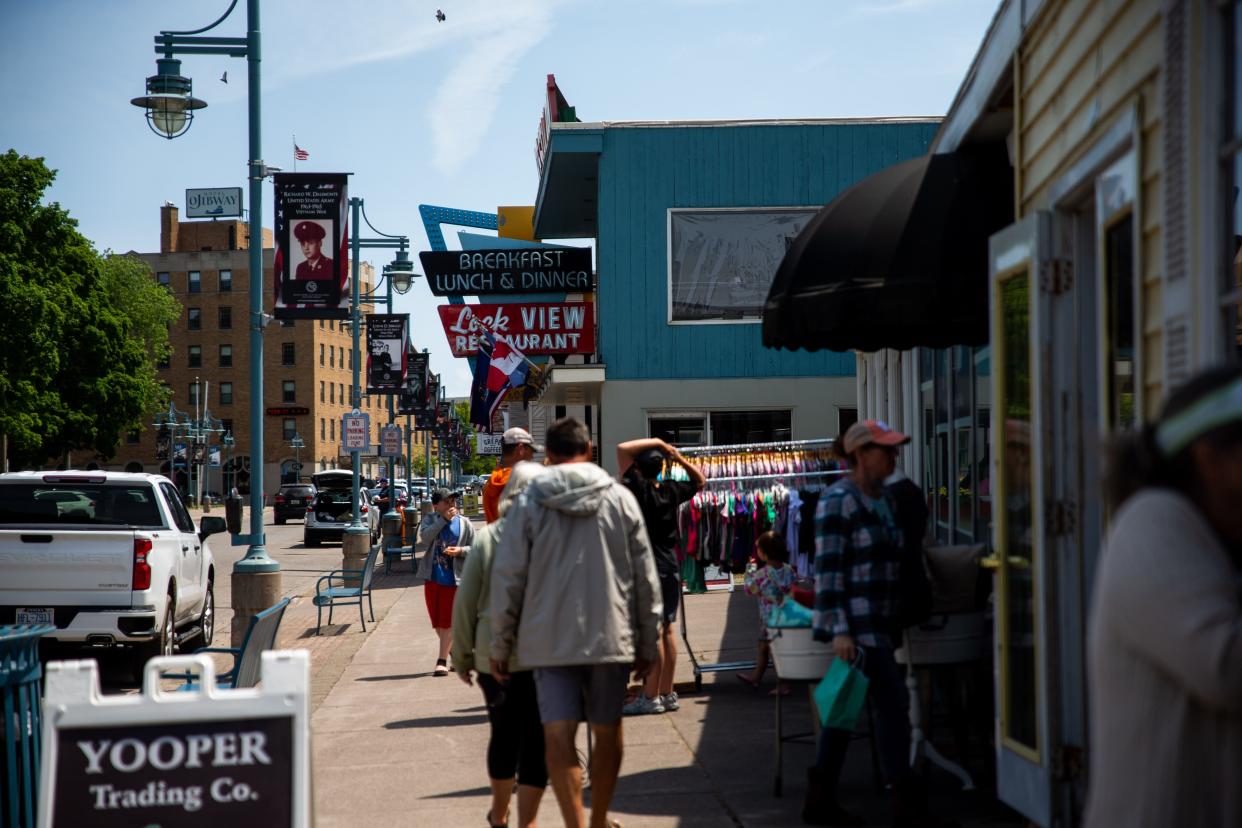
(1019, 717)
(1231, 157)
(679, 430)
(732, 427)
(1119, 284)
(953, 392)
(721, 262)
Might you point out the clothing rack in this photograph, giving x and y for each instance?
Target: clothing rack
(776, 477)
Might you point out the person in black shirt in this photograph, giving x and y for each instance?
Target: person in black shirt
(640, 463)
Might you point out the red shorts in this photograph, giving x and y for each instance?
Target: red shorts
(439, 604)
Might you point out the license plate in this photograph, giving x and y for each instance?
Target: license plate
(31, 615)
(295, 501)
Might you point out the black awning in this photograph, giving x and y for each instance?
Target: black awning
(898, 260)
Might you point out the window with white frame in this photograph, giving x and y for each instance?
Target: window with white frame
(721, 428)
(1231, 158)
(721, 261)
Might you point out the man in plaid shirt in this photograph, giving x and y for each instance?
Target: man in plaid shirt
(857, 571)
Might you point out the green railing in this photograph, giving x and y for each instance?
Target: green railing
(20, 672)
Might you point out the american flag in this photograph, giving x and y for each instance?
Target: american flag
(299, 153)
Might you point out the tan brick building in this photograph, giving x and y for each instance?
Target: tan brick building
(307, 365)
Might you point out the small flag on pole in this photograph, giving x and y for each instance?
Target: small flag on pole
(299, 154)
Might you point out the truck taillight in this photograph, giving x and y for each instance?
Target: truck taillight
(142, 569)
(280, 498)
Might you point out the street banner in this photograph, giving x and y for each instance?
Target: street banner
(535, 329)
(390, 441)
(163, 439)
(312, 246)
(414, 396)
(487, 444)
(213, 457)
(508, 271)
(386, 352)
(356, 431)
(197, 759)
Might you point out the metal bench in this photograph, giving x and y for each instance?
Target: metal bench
(327, 595)
(247, 659)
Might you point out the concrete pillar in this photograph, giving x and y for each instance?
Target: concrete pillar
(354, 549)
(252, 593)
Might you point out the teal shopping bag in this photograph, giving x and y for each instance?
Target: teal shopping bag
(840, 694)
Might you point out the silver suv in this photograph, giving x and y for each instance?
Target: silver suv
(330, 511)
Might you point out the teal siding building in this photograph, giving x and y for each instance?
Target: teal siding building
(690, 221)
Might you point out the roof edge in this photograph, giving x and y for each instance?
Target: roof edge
(742, 122)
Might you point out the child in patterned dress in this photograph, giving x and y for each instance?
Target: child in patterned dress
(770, 582)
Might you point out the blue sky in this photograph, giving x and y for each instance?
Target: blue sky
(440, 113)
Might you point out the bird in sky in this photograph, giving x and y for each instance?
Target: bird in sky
(440, 16)
(225, 77)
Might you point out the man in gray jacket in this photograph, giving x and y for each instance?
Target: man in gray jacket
(574, 582)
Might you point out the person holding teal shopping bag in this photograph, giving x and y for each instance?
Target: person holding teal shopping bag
(858, 547)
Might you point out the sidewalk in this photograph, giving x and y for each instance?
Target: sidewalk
(393, 745)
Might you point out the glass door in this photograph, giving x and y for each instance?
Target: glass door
(1019, 264)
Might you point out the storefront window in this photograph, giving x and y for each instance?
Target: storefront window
(954, 393)
(680, 431)
(1231, 293)
(732, 427)
(1017, 550)
(1119, 281)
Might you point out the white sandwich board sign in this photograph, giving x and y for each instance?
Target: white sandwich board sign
(206, 757)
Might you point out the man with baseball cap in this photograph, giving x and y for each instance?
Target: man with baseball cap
(516, 446)
(317, 266)
(858, 547)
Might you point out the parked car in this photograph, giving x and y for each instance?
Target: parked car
(118, 560)
(291, 501)
(330, 511)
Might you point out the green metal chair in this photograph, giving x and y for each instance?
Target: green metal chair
(332, 596)
(248, 658)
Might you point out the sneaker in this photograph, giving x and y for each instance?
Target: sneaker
(670, 701)
(643, 705)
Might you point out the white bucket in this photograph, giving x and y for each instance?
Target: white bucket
(798, 655)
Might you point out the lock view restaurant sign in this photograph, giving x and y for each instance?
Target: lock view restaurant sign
(508, 271)
(535, 329)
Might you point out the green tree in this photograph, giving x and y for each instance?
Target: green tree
(79, 333)
(475, 463)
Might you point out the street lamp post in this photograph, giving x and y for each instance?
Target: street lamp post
(170, 109)
(398, 276)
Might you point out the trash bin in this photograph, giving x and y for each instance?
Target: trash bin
(20, 674)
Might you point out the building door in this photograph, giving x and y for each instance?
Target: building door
(1067, 374)
(1024, 707)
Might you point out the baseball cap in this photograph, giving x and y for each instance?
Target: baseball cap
(442, 494)
(520, 436)
(865, 432)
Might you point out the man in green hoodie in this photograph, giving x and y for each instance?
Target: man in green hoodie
(575, 595)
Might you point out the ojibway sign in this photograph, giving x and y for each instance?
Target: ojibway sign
(507, 272)
(535, 329)
(208, 757)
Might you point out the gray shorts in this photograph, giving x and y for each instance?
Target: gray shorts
(590, 692)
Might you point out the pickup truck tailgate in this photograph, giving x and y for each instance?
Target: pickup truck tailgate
(66, 567)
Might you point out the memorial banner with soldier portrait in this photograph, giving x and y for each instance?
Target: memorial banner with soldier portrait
(413, 397)
(312, 246)
(387, 352)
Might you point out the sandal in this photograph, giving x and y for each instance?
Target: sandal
(747, 680)
(441, 668)
(491, 824)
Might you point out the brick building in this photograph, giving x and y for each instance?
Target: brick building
(307, 365)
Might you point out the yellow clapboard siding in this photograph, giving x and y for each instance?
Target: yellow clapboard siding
(1062, 130)
(1066, 52)
(1151, 199)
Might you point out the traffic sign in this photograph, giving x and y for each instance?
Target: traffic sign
(356, 429)
(390, 440)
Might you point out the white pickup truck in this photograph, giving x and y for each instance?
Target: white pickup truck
(108, 558)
